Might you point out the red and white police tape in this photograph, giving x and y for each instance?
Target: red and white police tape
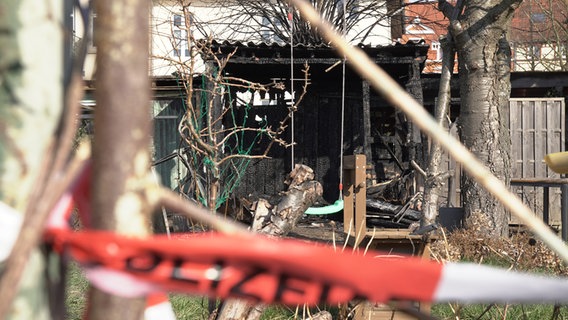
(288, 271)
(269, 270)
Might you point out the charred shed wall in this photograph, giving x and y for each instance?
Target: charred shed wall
(317, 137)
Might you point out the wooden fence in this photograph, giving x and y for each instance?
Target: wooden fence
(537, 127)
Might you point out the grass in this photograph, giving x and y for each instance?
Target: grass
(478, 311)
(76, 292)
(185, 307)
(189, 307)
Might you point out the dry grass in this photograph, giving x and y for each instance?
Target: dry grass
(521, 251)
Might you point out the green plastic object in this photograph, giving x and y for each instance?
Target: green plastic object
(332, 208)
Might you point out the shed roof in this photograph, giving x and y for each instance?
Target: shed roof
(279, 53)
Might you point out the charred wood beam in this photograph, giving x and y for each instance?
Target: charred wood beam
(382, 206)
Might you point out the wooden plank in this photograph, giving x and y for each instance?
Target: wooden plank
(348, 195)
(392, 234)
(349, 162)
(355, 197)
(368, 310)
(360, 197)
(540, 112)
(561, 103)
(516, 143)
(540, 181)
(528, 150)
(540, 122)
(516, 138)
(555, 143)
(367, 136)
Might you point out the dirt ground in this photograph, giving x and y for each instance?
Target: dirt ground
(319, 229)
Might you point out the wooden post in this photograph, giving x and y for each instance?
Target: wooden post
(348, 194)
(355, 197)
(367, 136)
(546, 205)
(416, 149)
(564, 211)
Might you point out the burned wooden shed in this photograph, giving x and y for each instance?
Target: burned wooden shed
(333, 97)
(370, 125)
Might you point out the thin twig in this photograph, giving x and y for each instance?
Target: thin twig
(348, 235)
(370, 241)
(485, 311)
(180, 205)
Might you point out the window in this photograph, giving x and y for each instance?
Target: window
(538, 17)
(268, 28)
(415, 27)
(266, 33)
(180, 44)
(437, 48)
(535, 50)
(91, 31)
(177, 20)
(177, 43)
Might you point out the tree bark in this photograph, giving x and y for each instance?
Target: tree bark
(31, 101)
(434, 182)
(484, 67)
(277, 221)
(121, 163)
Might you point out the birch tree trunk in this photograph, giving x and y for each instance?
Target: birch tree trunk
(121, 163)
(484, 68)
(31, 101)
(435, 176)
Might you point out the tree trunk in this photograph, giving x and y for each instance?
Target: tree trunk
(434, 179)
(277, 221)
(484, 61)
(31, 101)
(121, 164)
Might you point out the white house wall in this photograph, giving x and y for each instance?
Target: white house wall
(209, 20)
(545, 57)
(224, 22)
(380, 34)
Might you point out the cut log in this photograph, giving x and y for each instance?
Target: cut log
(278, 221)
